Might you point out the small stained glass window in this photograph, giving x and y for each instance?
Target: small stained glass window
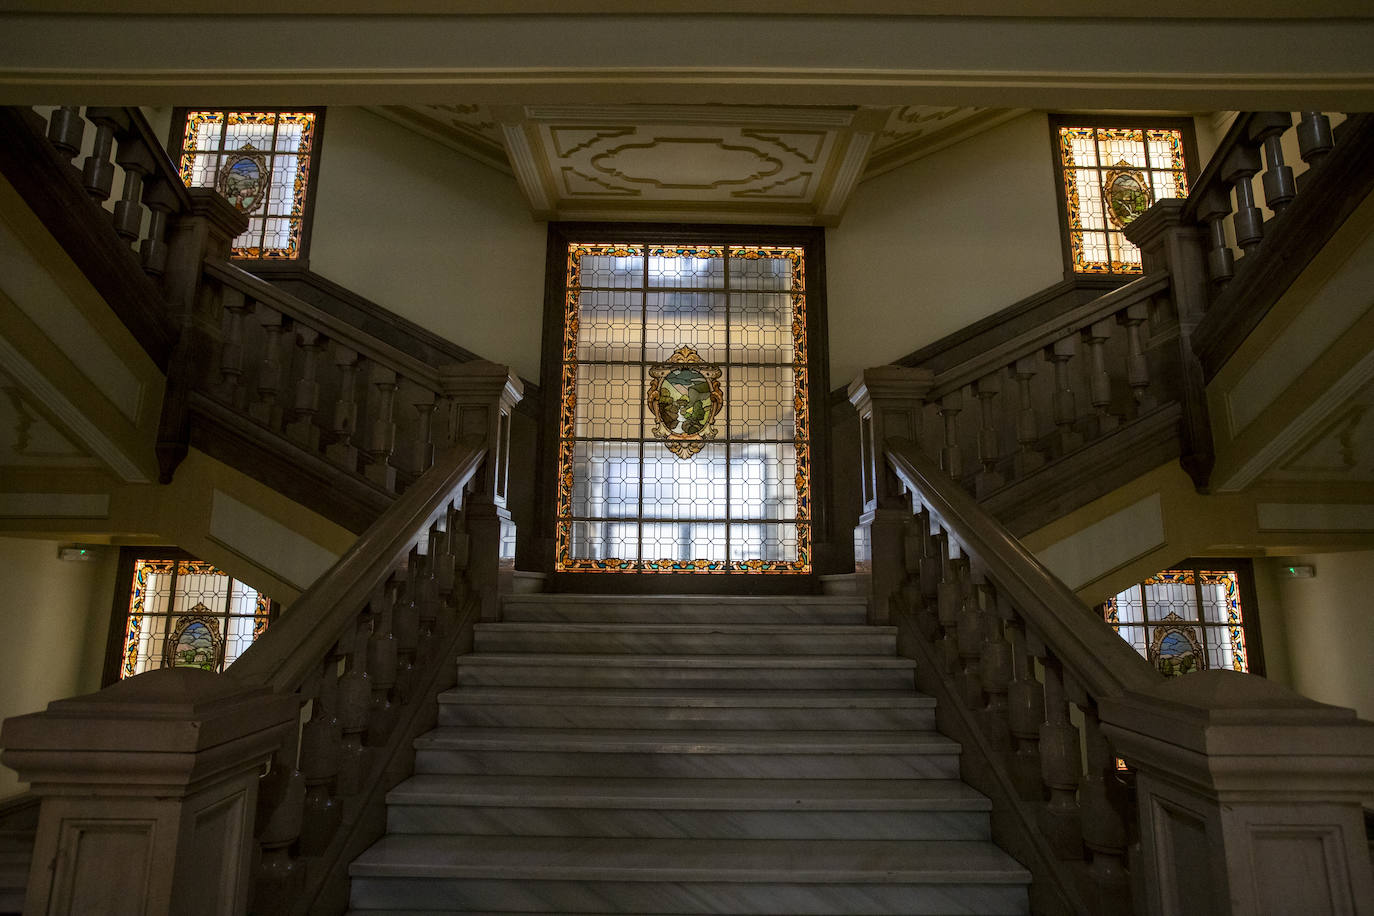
(1109, 174)
(1186, 619)
(262, 162)
(182, 612)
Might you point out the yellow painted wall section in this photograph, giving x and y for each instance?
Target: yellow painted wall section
(55, 617)
(1329, 627)
(430, 235)
(931, 247)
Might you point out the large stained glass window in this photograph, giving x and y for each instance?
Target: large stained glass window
(183, 612)
(1109, 175)
(262, 162)
(684, 439)
(1185, 620)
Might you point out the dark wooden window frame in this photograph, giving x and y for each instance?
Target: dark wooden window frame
(178, 136)
(119, 611)
(812, 241)
(1192, 169)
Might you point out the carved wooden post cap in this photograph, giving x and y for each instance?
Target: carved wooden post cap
(1249, 790)
(150, 786)
(224, 218)
(480, 396)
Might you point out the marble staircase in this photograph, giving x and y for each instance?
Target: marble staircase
(675, 755)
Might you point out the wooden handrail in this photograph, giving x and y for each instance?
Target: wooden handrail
(1235, 136)
(292, 648)
(316, 318)
(167, 170)
(1035, 339)
(1097, 657)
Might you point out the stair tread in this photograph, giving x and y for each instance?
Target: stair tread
(677, 741)
(688, 661)
(691, 794)
(629, 696)
(714, 860)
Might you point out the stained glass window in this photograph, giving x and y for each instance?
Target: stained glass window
(684, 423)
(261, 161)
(183, 612)
(1108, 176)
(1185, 619)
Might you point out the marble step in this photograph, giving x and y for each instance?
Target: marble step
(687, 754)
(14, 873)
(685, 639)
(539, 707)
(750, 609)
(831, 809)
(676, 876)
(726, 672)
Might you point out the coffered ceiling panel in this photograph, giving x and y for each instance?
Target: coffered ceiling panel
(740, 163)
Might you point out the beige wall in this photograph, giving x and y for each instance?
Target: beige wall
(431, 235)
(1328, 626)
(928, 248)
(55, 617)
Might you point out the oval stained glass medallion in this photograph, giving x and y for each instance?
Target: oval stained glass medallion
(243, 179)
(1127, 193)
(684, 398)
(195, 642)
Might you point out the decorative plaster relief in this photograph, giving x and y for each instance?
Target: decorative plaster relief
(1342, 450)
(28, 437)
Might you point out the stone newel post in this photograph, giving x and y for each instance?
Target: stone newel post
(479, 397)
(148, 792)
(889, 401)
(1249, 794)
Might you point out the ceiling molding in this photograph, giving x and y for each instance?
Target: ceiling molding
(899, 150)
(457, 134)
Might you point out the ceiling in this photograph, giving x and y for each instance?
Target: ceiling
(734, 163)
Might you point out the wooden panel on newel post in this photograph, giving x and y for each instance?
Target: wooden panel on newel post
(148, 791)
(195, 312)
(477, 400)
(1168, 241)
(889, 402)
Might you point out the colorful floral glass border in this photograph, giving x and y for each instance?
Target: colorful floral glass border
(565, 561)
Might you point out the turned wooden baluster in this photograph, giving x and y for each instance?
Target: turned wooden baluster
(355, 699)
(266, 408)
(988, 479)
(1059, 765)
(137, 162)
(1213, 208)
(381, 664)
(1104, 830)
(1028, 456)
(161, 199)
(928, 570)
(230, 388)
(1137, 367)
(405, 622)
(321, 741)
(1248, 222)
(306, 403)
(954, 584)
(424, 403)
(1315, 140)
(97, 171)
(341, 450)
(1096, 336)
(1059, 353)
(995, 670)
(951, 457)
(66, 130)
(382, 442)
(969, 640)
(1279, 186)
(1025, 712)
(281, 800)
(452, 582)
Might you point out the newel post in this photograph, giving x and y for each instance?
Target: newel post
(148, 790)
(889, 401)
(195, 312)
(1249, 796)
(1167, 242)
(478, 398)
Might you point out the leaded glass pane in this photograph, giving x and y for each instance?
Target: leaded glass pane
(1192, 620)
(693, 357)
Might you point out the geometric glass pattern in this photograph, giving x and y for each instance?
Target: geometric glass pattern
(188, 613)
(1111, 175)
(684, 431)
(260, 161)
(1183, 620)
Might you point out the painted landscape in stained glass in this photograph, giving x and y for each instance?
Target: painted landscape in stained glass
(1183, 620)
